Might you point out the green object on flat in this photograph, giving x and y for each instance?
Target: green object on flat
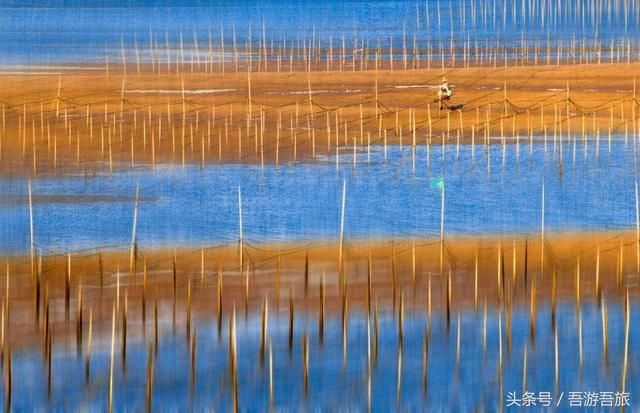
(437, 183)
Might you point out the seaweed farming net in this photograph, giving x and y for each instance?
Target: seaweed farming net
(389, 194)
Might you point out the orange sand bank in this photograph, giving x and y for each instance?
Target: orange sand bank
(463, 274)
(87, 121)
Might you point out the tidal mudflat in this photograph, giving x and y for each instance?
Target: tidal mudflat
(202, 207)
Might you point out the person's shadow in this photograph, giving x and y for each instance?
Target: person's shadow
(454, 107)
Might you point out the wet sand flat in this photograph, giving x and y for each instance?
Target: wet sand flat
(87, 121)
(461, 274)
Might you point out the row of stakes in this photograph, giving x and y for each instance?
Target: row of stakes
(505, 291)
(147, 129)
(36, 272)
(367, 55)
(481, 14)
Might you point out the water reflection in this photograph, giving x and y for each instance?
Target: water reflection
(500, 193)
(472, 364)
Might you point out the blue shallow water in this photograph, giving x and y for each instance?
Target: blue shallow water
(53, 32)
(302, 202)
(472, 382)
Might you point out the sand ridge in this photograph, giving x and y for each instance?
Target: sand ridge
(87, 121)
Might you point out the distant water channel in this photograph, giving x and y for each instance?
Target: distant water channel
(302, 202)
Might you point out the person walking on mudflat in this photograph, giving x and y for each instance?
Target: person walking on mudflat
(444, 93)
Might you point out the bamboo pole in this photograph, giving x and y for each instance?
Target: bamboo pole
(31, 237)
(425, 362)
(192, 375)
(188, 311)
(111, 363)
(264, 331)
(234, 360)
(344, 319)
(270, 374)
(321, 310)
(150, 375)
(155, 322)
(475, 284)
(442, 204)
(305, 364)
(79, 321)
(401, 321)
(399, 377)
(625, 362)
(605, 329)
(67, 287)
(8, 381)
(241, 241)
(48, 345)
(458, 335)
(132, 254)
(87, 365)
(291, 316)
(342, 218)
